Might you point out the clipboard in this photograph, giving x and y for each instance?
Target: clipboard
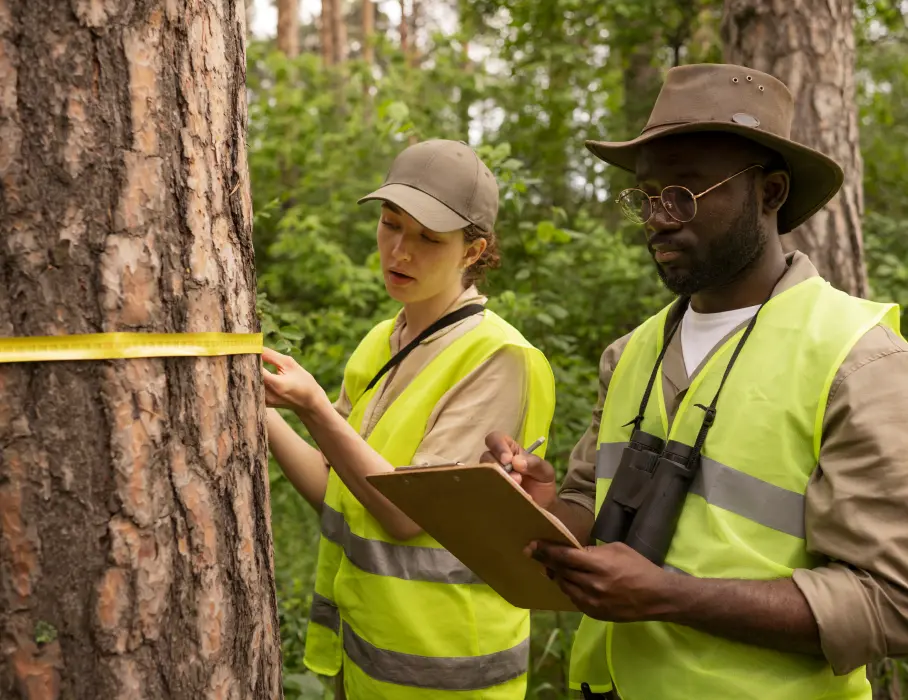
(485, 519)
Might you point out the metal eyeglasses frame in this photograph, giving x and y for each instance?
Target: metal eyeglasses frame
(668, 208)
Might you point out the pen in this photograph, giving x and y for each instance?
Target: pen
(530, 450)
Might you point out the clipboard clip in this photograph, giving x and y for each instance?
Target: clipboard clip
(429, 466)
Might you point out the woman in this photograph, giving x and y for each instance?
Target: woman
(394, 615)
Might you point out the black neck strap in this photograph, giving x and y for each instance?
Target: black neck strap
(445, 321)
(638, 421)
(710, 410)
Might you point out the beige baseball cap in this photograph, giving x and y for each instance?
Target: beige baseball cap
(443, 185)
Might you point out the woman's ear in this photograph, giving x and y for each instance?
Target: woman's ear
(474, 251)
(776, 186)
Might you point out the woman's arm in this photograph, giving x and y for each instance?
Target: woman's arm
(302, 464)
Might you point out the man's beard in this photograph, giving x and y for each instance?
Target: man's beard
(721, 261)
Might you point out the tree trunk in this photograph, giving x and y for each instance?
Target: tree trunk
(404, 32)
(250, 15)
(326, 30)
(135, 542)
(368, 32)
(339, 31)
(810, 46)
(288, 28)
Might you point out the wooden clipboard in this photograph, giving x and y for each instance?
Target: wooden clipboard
(480, 515)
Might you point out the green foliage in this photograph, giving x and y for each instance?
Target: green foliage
(574, 278)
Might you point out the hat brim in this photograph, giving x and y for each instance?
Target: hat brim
(427, 210)
(815, 178)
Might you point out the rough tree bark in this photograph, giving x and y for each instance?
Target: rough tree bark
(288, 28)
(135, 543)
(810, 46)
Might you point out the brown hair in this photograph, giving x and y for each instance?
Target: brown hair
(490, 258)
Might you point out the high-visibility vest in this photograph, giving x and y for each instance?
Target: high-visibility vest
(744, 515)
(407, 619)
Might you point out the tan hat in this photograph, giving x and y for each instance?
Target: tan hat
(443, 185)
(737, 100)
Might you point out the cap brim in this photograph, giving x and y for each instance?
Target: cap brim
(815, 178)
(427, 210)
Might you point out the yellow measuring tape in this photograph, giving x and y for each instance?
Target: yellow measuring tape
(119, 346)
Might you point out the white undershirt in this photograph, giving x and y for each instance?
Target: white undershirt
(700, 333)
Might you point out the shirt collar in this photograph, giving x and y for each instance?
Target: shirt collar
(470, 295)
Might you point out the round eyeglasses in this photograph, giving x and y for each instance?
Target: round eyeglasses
(677, 201)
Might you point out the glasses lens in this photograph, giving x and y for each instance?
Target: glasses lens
(679, 202)
(635, 205)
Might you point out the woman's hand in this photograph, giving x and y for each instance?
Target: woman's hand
(291, 386)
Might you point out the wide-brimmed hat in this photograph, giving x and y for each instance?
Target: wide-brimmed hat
(443, 185)
(736, 100)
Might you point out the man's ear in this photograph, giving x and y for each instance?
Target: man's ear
(776, 186)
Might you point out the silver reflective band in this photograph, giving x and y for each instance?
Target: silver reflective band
(397, 560)
(325, 613)
(729, 489)
(437, 673)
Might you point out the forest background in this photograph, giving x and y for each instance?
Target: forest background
(337, 88)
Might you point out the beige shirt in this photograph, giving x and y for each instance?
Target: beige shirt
(856, 501)
(492, 397)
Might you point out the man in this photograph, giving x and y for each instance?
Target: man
(786, 570)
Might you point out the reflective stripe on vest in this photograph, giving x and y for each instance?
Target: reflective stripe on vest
(444, 673)
(397, 560)
(409, 618)
(744, 516)
(729, 489)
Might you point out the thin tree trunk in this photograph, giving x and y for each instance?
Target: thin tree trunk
(404, 31)
(810, 46)
(250, 15)
(326, 30)
(413, 32)
(369, 32)
(135, 543)
(339, 31)
(288, 27)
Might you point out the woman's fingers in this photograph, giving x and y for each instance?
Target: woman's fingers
(273, 357)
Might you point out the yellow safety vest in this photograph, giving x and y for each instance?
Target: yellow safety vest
(744, 515)
(407, 620)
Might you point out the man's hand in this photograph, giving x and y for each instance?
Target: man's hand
(535, 475)
(292, 386)
(610, 582)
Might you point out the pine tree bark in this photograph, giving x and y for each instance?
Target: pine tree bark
(135, 543)
(810, 46)
(288, 27)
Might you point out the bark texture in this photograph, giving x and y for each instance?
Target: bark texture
(288, 27)
(810, 46)
(135, 543)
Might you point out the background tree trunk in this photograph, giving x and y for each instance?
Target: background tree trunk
(135, 542)
(288, 27)
(404, 29)
(810, 46)
(339, 31)
(326, 30)
(369, 32)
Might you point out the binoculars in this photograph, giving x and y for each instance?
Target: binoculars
(646, 496)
